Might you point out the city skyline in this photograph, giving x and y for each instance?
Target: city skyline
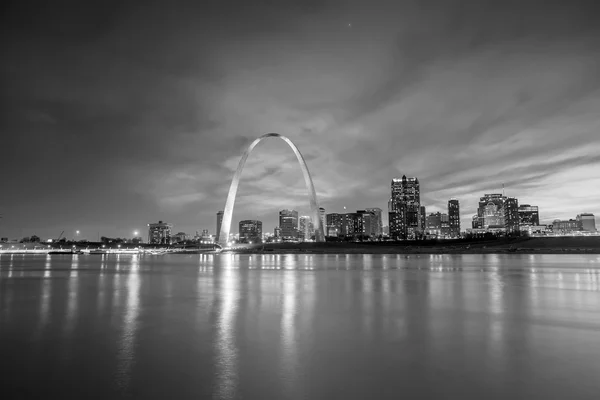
(116, 119)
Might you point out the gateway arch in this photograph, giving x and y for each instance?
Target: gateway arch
(314, 206)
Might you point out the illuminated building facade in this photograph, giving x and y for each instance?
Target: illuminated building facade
(288, 223)
(433, 224)
(497, 213)
(250, 231)
(511, 215)
(423, 219)
(477, 221)
(334, 224)
(454, 217)
(490, 212)
(348, 224)
(159, 233)
(438, 224)
(493, 216)
(367, 223)
(404, 208)
(529, 215)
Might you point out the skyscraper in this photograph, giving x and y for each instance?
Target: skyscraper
(511, 215)
(288, 223)
(219, 222)
(490, 213)
(454, 217)
(349, 224)
(366, 223)
(404, 208)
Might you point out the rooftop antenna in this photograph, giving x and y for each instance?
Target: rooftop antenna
(502, 189)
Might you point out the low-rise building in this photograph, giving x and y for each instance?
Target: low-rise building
(159, 233)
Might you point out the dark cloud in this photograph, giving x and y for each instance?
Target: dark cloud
(119, 113)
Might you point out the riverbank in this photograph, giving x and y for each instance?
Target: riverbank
(537, 245)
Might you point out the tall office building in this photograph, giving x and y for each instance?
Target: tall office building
(349, 225)
(511, 215)
(366, 223)
(529, 215)
(219, 222)
(333, 227)
(250, 230)
(159, 233)
(378, 225)
(587, 221)
(404, 208)
(423, 218)
(306, 228)
(288, 223)
(396, 220)
(454, 217)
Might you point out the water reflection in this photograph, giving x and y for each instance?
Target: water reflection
(225, 346)
(47, 266)
(46, 295)
(72, 300)
(126, 352)
(289, 346)
(270, 326)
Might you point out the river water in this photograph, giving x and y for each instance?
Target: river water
(300, 326)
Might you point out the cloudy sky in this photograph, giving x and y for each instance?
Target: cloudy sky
(116, 114)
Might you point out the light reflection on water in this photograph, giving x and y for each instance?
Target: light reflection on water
(126, 347)
(225, 345)
(307, 325)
